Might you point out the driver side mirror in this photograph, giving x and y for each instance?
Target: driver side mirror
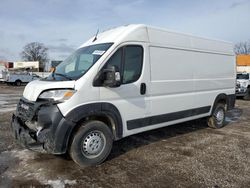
(112, 77)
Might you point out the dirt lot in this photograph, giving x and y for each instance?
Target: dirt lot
(183, 155)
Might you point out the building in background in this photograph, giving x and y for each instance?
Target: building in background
(23, 65)
(243, 63)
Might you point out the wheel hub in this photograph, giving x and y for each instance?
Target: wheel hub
(93, 144)
(219, 116)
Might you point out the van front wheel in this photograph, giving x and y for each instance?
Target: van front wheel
(91, 144)
(217, 119)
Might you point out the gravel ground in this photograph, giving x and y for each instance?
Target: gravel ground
(183, 155)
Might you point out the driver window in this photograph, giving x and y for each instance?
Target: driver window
(132, 64)
(128, 60)
(115, 60)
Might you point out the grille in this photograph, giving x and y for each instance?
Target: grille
(237, 86)
(25, 110)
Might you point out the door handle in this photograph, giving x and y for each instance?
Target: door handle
(143, 89)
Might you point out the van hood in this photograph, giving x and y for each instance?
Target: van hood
(36, 87)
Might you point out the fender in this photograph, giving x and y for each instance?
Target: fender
(100, 109)
(229, 100)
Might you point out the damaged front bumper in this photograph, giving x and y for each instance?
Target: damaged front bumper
(25, 137)
(40, 126)
(240, 91)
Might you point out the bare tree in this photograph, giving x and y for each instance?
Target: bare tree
(35, 51)
(242, 48)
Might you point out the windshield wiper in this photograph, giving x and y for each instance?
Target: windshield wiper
(62, 75)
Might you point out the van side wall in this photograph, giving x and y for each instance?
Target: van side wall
(186, 79)
(214, 74)
(172, 87)
(187, 75)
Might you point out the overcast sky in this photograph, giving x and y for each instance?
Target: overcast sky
(63, 25)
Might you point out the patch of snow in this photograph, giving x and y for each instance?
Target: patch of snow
(56, 183)
(8, 102)
(7, 109)
(24, 168)
(231, 120)
(60, 183)
(9, 94)
(23, 155)
(3, 102)
(70, 182)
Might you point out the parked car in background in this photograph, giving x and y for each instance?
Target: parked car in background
(18, 78)
(2, 69)
(243, 85)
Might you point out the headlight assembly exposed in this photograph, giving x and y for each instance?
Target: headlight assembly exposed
(59, 95)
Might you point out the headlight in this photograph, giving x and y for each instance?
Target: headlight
(57, 95)
(244, 84)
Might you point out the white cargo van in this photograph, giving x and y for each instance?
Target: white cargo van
(125, 81)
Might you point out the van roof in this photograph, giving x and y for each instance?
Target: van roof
(162, 37)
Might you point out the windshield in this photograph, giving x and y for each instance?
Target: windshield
(243, 76)
(79, 62)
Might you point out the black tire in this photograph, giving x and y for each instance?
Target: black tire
(91, 144)
(18, 83)
(247, 96)
(217, 119)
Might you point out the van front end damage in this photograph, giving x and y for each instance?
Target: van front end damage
(40, 126)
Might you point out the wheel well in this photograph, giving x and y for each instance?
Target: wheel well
(222, 99)
(105, 119)
(104, 112)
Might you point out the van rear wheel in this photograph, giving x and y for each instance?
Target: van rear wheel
(91, 144)
(217, 119)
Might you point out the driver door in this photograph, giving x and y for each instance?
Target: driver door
(130, 97)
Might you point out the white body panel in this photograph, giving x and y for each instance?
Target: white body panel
(181, 72)
(36, 87)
